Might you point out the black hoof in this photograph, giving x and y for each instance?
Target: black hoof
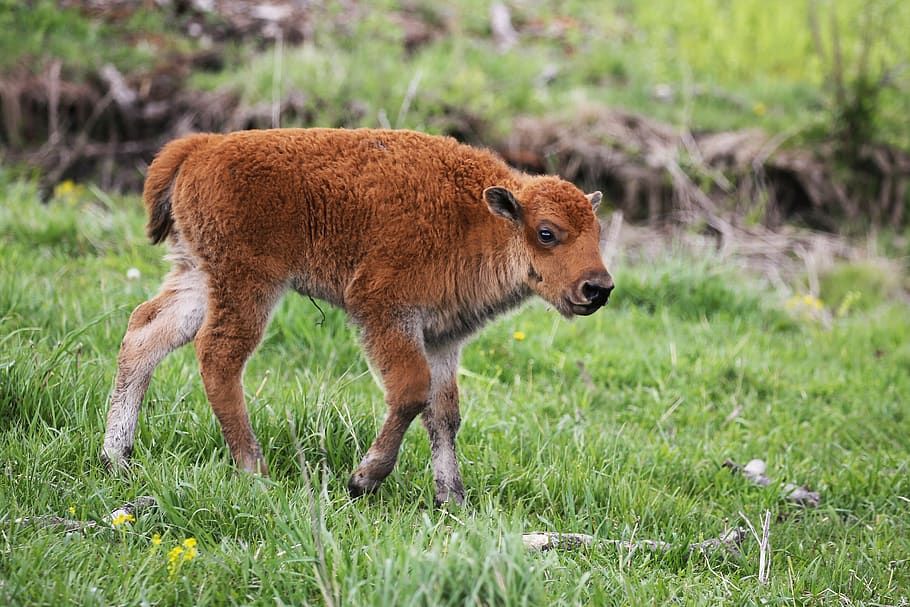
(355, 489)
(358, 487)
(114, 465)
(453, 500)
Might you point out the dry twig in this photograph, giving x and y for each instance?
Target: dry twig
(501, 26)
(764, 546)
(728, 543)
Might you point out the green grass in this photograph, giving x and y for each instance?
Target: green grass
(637, 455)
(38, 32)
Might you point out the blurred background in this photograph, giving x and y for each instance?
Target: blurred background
(715, 115)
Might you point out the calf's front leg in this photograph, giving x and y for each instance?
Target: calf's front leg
(399, 357)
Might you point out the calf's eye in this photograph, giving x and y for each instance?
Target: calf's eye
(546, 236)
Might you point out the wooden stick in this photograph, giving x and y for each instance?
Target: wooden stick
(145, 502)
(542, 541)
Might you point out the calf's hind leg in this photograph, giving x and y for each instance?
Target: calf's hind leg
(234, 324)
(156, 328)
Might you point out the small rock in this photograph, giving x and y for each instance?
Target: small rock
(755, 467)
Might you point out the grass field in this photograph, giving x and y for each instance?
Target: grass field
(690, 364)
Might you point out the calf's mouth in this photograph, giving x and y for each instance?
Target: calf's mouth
(586, 308)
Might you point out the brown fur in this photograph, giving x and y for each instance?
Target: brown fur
(420, 239)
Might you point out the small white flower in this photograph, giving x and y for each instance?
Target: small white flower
(133, 274)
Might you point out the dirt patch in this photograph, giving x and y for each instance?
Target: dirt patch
(217, 21)
(657, 173)
(788, 258)
(106, 126)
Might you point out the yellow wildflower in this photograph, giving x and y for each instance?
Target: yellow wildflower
(72, 510)
(69, 191)
(64, 188)
(174, 555)
(189, 545)
(156, 539)
(812, 302)
(123, 518)
(805, 301)
(808, 307)
(760, 109)
(519, 335)
(179, 555)
(173, 560)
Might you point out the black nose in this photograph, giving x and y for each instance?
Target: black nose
(597, 292)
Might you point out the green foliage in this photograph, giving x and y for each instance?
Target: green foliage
(863, 52)
(858, 286)
(375, 84)
(703, 64)
(724, 65)
(688, 365)
(691, 289)
(37, 32)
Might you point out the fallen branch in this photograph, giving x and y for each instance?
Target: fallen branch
(146, 502)
(755, 472)
(664, 175)
(50, 520)
(124, 96)
(541, 541)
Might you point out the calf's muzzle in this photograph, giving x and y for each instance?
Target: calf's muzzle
(592, 293)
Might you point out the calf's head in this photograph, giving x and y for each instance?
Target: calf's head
(560, 238)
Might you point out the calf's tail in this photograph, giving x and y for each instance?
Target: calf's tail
(159, 183)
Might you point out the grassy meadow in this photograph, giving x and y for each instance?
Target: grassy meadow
(690, 364)
(615, 425)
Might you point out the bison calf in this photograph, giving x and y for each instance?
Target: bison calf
(420, 239)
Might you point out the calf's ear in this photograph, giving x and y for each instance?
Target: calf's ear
(503, 203)
(594, 198)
